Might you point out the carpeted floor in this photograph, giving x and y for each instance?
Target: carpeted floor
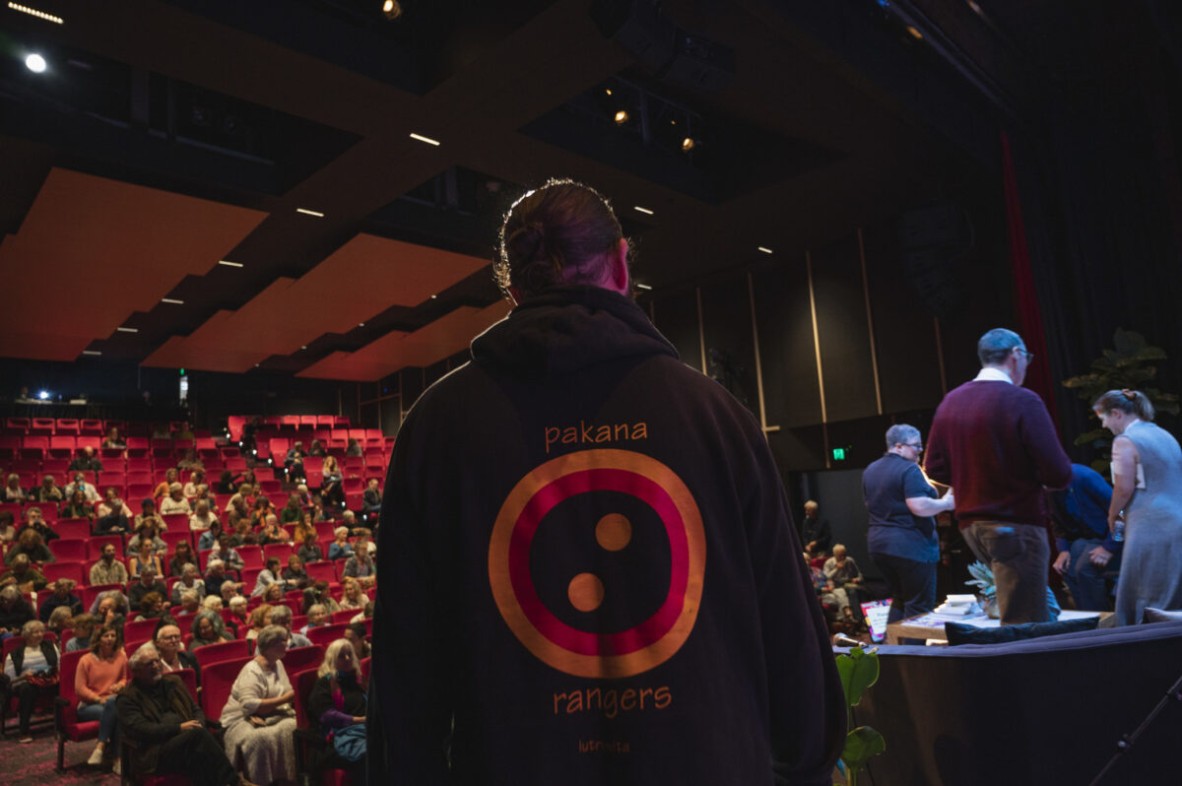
(32, 764)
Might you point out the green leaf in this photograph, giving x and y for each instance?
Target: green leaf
(862, 744)
(858, 671)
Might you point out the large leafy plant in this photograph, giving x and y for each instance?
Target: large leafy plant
(858, 671)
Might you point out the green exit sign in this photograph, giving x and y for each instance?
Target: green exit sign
(839, 454)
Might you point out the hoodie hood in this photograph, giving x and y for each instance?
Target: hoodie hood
(567, 329)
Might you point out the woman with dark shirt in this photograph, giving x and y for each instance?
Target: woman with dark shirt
(337, 704)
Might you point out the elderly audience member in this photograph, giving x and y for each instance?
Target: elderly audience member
(32, 672)
(190, 581)
(113, 515)
(79, 483)
(30, 544)
(203, 517)
(336, 708)
(259, 719)
(22, 575)
(12, 489)
(35, 520)
(77, 506)
(361, 566)
(86, 461)
(15, 611)
(167, 727)
(294, 576)
(109, 569)
(340, 547)
(175, 502)
(208, 628)
(267, 576)
(172, 650)
(49, 490)
(216, 578)
(101, 675)
(63, 597)
(149, 582)
(281, 616)
(110, 608)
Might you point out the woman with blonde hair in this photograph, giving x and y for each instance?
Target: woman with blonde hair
(352, 597)
(32, 671)
(337, 704)
(332, 488)
(259, 619)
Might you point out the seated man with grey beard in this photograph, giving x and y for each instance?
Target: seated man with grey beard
(166, 728)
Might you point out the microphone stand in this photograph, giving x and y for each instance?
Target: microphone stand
(1128, 740)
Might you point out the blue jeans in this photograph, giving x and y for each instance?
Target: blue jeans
(1087, 582)
(104, 713)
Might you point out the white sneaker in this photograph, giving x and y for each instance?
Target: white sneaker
(96, 756)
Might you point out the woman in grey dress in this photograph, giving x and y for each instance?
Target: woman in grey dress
(1147, 494)
(258, 719)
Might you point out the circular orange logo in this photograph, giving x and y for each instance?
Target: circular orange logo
(563, 646)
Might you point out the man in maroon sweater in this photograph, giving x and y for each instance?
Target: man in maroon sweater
(994, 442)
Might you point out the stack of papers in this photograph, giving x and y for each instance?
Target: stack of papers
(959, 606)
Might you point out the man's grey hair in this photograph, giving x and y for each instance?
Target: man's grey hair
(281, 615)
(144, 654)
(993, 347)
(899, 433)
(189, 568)
(215, 563)
(270, 635)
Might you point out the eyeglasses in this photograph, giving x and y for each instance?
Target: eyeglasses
(916, 446)
(1029, 355)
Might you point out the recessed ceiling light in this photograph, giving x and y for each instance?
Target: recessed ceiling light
(360, 324)
(764, 249)
(914, 32)
(36, 63)
(127, 330)
(91, 352)
(644, 210)
(24, 9)
(305, 346)
(308, 212)
(228, 263)
(172, 300)
(642, 286)
(435, 297)
(426, 139)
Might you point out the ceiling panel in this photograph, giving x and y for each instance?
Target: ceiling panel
(434, 342)
(92, 251)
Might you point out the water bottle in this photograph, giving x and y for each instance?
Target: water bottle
(1118, 534)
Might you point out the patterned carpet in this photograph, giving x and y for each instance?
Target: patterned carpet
(32, 764)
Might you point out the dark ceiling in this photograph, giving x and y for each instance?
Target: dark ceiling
(165, 137)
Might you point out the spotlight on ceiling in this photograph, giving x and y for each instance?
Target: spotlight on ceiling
(621, 117)
(43, 395)
(688, 144)
(391, 9)
(36, 63)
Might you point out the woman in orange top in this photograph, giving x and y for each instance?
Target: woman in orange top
(101, 674)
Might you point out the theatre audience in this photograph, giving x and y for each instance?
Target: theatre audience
(340, 547)
(167, 727)
(196, 478)
(164, 487)
(210, 537)
(332, 488)
(148, 582)
(317, 618)
(190, 581)
(281, 616)
(259, 719)
(59, 621)
(361, 566)
(33, 518)
(114, 439)
(318, 593)
(172, 650)
(815, 532)
(149, 535)
(351, 595)
(101, 675)
(272, 532)
(260, 618)
(111, 609)
(113, 515)
(357, 635)
(216, 577)
(294, 576)
(310, 551)
(89, 492)
(203, 517)
(267, 576)
(32, 672)
(182, 555)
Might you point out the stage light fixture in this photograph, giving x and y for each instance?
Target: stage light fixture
(43, 395)
(391, 9)
(308, 212)
(91, 352)
(764, 249)
(688, 144)
(172, 301)
(36, 63)
(621, 117)
(24, 9)
(644, 210)
(914, 32)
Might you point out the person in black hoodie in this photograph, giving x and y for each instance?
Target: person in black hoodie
(589, 573)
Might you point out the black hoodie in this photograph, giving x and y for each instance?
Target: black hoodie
(589, 573)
